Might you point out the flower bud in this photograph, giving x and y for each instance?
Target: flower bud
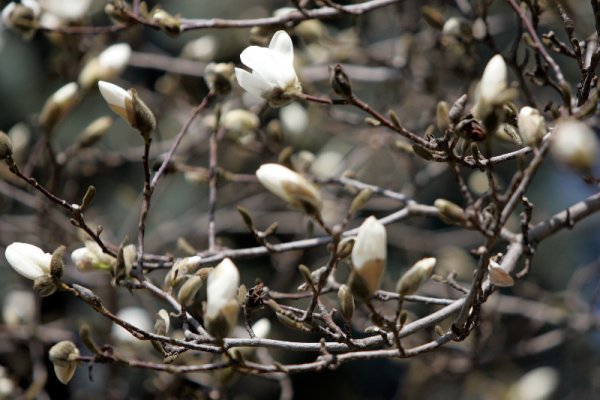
(344, 248)
(575, 145)
(58, 105)
(240, 122)
(532, 126)
(163, 322)
(128, 106)
(94, 132)
(107, 66)
(91, 257)
(450, 212)
(182, 267)
(168, 23)
(442, 118)
(346, 301)
(291, 187)
(219, 77)
(261, 328)
(340, 83)
(221, 300)
(63, 356)
(57, 264)
(6, 147)
(187, 292)
(44, 285)
(28, 260)
(415, 276)
(368, 258)
(498, 276)
(492, 93)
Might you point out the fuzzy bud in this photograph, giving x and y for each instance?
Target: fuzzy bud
(57, 264)
(168, 23)
(415, 276)
(128, 106)
(63, 356)
(450, 212)
(340, 83)
(187, 292)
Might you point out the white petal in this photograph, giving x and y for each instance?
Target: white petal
(6, 12)
(493, 81)
(137, 317)
(283, 48)
(66, 93)
(28, 260)
(264, 64)
(253, 84)
(274, 176)
(113, 94)
(67, 9)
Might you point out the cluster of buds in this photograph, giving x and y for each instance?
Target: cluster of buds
(273, 76)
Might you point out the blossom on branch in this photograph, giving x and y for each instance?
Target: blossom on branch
(273, 76)
(221, 299)
(368, 258)
(28, 260)
(290, 186)
(106, 66)
(129, 106)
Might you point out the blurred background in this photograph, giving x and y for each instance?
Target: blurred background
(538, 338)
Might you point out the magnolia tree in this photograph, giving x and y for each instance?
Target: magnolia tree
(347, 183)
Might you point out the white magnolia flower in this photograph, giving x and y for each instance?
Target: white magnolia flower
(290, 186)
(221, 299)
(368, 256)
(273, 75)
(28, 260)
(106, 66)
(532, 125)
(575, 144)
(492, 90)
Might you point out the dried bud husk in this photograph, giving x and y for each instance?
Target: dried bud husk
(360, 200)
(56, 262)
(415, 276)
(163, 322)
(6, 147)
(346, 301)
(187, 292)
(450, 212)
(63, 356)
(340, 83)
(44, 285)
(442, 118)
(498, 276)
(219, 77)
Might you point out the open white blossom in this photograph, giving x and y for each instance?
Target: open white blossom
(290, 186)
(369, 256)
(28, 260)
(273, 75)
